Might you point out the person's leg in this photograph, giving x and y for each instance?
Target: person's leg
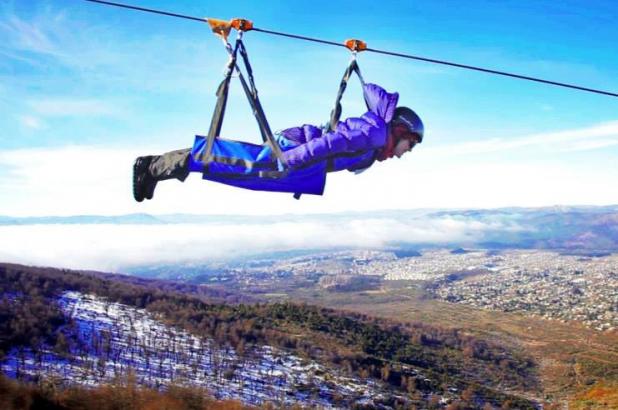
(173, 164)
(149, 170)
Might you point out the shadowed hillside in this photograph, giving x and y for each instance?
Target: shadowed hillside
(414, 362)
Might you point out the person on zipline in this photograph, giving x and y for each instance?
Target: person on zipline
(383, 132)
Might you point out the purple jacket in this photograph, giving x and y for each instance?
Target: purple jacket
(362, 136)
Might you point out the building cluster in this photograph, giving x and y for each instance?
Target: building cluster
(544, 283)
(553, 286)
(432, 265)
(335, 263)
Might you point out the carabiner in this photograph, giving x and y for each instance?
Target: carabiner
(355, 45)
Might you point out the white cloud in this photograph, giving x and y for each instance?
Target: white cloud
(60, 107)
(68, 180)
(570, 140)
(30, 121)
(587, 145)
(114, 247)
(95, 52)
(27, 36)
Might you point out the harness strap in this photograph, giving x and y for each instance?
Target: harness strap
(258, 111)
(217, 117)
(252, 95)
(335, 114)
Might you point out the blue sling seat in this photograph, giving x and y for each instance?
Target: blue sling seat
(254, 167)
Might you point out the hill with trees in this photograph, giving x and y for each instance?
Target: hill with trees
(409, 364)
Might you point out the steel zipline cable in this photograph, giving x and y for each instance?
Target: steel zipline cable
(373, 50)
(165, 13)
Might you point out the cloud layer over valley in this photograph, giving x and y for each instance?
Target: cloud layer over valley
(113, 247)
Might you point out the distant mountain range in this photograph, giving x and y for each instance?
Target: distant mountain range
(571, 229)
(147, 219)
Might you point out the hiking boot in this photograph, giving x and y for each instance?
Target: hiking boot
(143, 182)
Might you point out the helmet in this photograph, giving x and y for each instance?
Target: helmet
(407, 117)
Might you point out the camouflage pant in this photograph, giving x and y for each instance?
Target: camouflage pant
(173, 164)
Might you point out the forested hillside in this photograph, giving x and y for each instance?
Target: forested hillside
(418, 363)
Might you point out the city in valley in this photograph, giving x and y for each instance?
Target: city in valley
(547, 284)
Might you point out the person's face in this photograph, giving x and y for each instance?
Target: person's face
(402, 147)
(406, 142)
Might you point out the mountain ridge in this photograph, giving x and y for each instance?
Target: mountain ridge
(146, 218)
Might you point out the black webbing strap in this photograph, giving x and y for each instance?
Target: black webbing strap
(252, 96)
(258, 111)
(217, 117)
(335, 114)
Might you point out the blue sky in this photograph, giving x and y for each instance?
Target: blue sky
(85, 88)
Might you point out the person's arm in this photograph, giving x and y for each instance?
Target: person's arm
(354, 134)
(302, 134)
